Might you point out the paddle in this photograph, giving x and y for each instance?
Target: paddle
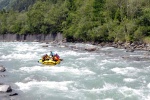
(61, 59)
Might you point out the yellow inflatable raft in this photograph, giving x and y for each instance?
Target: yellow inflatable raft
(49, 62)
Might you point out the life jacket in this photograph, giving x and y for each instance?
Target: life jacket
(45, 57)
(56, 57)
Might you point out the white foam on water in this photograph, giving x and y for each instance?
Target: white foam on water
(73, 53)
(81, 45)
(148, 85)
(112, 60)
(86, 58)
(21, 56)
(55, 69)
(106, 87)
(129, 80)
(107, 48)
(28, 48)
(129, 92)
(108, 99)
(33, 69)
(126, 70)
(29, 79)
(75, 71)
(44, 84)
(106, 61)
(146, 97)
(23, 47)
(101, 64)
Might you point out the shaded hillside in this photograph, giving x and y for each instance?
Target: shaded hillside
(16, 4)
(22, 4)
(4, 4)
(81, 20)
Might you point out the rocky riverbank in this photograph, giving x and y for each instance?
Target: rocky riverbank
(30, 37)
(129, 47)
(89, 46)
(59, 39)
(6, 91)
(96, 47)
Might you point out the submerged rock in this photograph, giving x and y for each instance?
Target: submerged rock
(13, 94)
(136, 58)
(2, 75)
(2, 68)
(130, 50)
(45, 46)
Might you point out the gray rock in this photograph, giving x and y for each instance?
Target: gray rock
(5, 88)
(136, 58)
(130, 50)
(2, 69)
(2, 75)
(45, 46)
(90, 48)
(13, 94)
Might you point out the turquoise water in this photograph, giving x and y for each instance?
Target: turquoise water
(82, 75)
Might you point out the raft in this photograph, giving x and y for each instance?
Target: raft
(49, 62)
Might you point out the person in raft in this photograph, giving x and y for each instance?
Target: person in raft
(45, 57)
(51, 54)
(55, 57)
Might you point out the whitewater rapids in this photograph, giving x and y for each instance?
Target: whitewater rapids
(82, 75)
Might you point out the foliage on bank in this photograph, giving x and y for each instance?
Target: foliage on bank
(82, 20)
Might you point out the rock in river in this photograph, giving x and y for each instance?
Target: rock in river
(5, 88)
(2, 68)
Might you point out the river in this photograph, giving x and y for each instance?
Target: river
(100, 75)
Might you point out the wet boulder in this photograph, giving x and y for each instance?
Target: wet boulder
(136, 58)
(45, 46)
(13, 94)
(5, 88)
(90, 48)
(130, 50)
(2, 68)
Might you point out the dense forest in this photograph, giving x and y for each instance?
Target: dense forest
(81, 20)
